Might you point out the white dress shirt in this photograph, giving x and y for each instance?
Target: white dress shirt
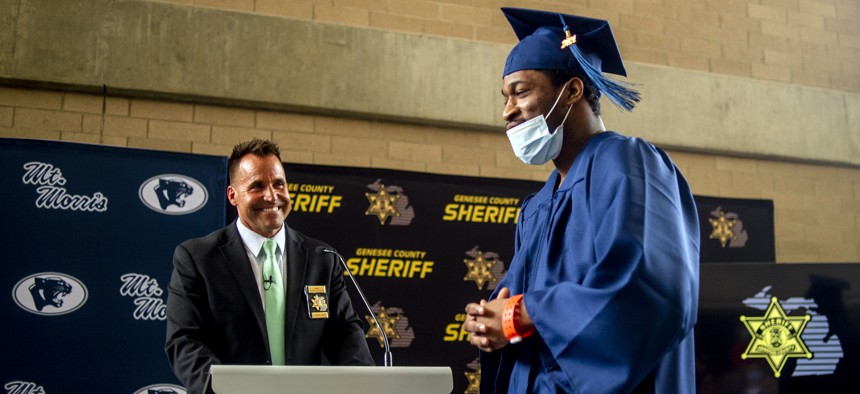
(254, 248)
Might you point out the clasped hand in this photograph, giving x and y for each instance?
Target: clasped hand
(484, 322)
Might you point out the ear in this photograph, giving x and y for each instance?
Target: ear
(575, 91)
(231, 195)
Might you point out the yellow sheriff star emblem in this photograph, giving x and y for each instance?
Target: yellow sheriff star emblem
(474, 379)
(479, 270)
(319, 303)
(388, 322)
(722, 228)
(776, 336)
(382, 204)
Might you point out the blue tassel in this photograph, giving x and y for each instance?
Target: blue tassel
(621, 93)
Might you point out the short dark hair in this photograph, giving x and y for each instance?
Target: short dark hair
(255, 147)
(590, 92)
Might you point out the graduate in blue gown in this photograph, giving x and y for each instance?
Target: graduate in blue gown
(602, 292)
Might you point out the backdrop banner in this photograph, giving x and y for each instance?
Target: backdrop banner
(87, 241)
(736, 230)
(420, 245)
(91, 230)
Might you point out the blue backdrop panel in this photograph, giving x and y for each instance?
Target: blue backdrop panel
(87, 241)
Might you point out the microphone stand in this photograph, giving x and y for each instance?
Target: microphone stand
(387, 360)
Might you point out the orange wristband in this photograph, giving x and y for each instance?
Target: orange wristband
(509, 318)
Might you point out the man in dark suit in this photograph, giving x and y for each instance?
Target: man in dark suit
(218, 306)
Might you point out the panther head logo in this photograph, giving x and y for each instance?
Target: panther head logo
(172, 192)
(161, 389)
(49, 291)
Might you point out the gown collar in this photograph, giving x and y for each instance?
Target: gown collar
(573, 173)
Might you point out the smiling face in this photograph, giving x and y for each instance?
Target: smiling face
(529, 93)
(259, 192)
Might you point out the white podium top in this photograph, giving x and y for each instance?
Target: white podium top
(249, 379)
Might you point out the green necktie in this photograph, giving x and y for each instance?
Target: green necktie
(273, 287)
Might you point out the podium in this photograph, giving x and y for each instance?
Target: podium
(251, 379)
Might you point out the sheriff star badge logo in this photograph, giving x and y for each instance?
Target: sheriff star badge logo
(776, 336)
(382, 204)
(474, 379)
(388, 323)
(722, 228)
(480, 269)
(319, 303)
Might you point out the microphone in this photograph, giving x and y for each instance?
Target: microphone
(323, 250)
(267, 283)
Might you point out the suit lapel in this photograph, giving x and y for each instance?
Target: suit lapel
(296, 265)
(237, 259)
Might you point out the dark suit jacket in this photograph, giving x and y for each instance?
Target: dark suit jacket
(215, 313)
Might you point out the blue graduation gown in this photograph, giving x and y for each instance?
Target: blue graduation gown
(608, 268)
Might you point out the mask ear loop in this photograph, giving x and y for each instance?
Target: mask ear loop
(556, 103)
(568, 113)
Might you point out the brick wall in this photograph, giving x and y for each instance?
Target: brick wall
(801, 42)
(804, 42)
(817, 208)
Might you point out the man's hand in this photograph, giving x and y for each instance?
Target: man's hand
(484, 322)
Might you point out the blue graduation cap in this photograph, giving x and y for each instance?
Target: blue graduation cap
(585, 46)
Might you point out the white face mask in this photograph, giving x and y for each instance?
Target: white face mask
(532, 141)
